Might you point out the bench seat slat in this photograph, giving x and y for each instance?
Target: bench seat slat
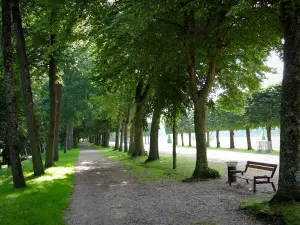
(262, 164)
(260, 167)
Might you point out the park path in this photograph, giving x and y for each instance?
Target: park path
(105, 193)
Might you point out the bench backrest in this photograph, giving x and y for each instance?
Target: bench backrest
(262, 166)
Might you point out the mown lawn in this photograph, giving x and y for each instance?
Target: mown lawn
(156, 170)
(44, 199)
(288, 213)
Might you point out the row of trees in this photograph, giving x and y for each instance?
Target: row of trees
(119, 63)
(262, 111)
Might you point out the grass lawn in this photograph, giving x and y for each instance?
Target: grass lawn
(44, 199)
(156, 170)
(288, 212)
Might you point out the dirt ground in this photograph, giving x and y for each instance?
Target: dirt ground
(105, 193)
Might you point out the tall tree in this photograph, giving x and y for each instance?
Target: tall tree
(16, 167)
(49, 162)
(58, 119)
(37, 163)
(289, 172)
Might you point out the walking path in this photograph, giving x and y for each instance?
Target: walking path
(105, 193)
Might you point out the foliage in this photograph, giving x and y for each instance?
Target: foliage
(287, 213)
(45, 198)
(264, 107)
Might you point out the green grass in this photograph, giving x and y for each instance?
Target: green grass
(156, 170)
(44, 199)
(287, 212)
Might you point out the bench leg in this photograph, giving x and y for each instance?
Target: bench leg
(254, 186)
(274, 188)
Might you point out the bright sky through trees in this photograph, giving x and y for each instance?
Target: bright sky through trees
(275, 62)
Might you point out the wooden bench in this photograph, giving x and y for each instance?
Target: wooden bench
(265, 179)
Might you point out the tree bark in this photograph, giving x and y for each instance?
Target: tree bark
(232, 138)
(49, 162)
(131, 140)
(289, 171)
(190, 139)
(72, 137)
(269, 136)
(66, 138)
(37, 163)
(140, 99)
(11, 104)
(126, 130)
(182, 141)
(207, 139)
(121, 137)
(117, 137)
(174, 142)
(154, 133)
(201, 168)
(105, 140)
(248, 135)
(218, 139)
(58, 118)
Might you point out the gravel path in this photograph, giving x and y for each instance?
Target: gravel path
(105, 193)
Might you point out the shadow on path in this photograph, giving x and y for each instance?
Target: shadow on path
(104, 193)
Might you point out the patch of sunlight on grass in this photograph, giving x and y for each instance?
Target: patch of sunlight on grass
(44, 199)
(54, 173)
(156, 170)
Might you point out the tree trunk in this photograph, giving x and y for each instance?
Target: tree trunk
(131, 140)
(126, 130)
(190, 139)
(117, 137)
(72, 137)
(248, 134)
(37, 163)
(49, 162)
(121, 137)
(11, 104)
(174, 142)
(66, 137)
(289, 171)
(105, 139)
(218, 138)
(138, 133)
(58, 117)
(201, 168)
(269, 137)
(140, 101)
(232, 138)
(154, 133)
(207, 139)
(182, 141)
